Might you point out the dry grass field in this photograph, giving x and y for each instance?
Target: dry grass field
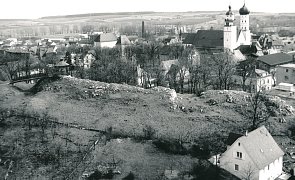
(72, 106)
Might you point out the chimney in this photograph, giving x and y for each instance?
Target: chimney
(142, 29)
(246, 134)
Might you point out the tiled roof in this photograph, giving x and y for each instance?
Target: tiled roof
(276, 59)
(261, 147)
(106, 37)
(205, 38)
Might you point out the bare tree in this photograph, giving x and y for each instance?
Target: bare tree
(259, 113)
(246, 69)
(225, 68)
(249, 172)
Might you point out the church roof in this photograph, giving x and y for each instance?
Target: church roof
(229, 12)
(205, 38)
(244, 10)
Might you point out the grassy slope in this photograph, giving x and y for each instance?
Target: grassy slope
(127, 112)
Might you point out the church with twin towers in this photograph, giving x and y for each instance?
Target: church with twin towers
(233, 37)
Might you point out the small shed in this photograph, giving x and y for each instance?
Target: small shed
(286, 87)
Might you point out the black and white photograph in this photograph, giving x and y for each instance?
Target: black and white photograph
(147, 90)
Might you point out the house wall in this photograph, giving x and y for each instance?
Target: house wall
(256, 84)
(285, 75)
(264, 83)
(263, 66)
(230, 37)
(109, 44)
(88, 59)
(229, 159)
(272, 171)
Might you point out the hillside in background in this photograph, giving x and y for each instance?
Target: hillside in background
(75, 24)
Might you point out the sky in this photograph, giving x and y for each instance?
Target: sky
(32, 9)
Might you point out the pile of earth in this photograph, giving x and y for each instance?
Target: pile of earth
(273, 103)
(85, 88)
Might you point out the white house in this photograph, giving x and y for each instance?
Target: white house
(260, 80)
(108, 40)
(88, 59)
(254, 155)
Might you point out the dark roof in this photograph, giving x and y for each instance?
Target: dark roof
(229, 12)
(232, 137)
(276, 59)
(205, 38)
(106, 37)
(244, 10)
(123, 40)
(247, 49)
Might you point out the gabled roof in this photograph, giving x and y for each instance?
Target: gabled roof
(232, 137)
(62, 64)
(276, 59)
(106, 37)
(166, 65)
(205, 38)
(260, 147)
(123, 40)
(247, 49)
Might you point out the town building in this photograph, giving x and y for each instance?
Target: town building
(229, 38)
(285, 73)
(254, 155)
(260, 80)
(271, 61)
(108, 40)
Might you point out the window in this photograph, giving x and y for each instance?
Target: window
(287, 70)
(268, 167)
(239, 155)
(267, 80)
(286, 78)
(239, 144)
(236, 167)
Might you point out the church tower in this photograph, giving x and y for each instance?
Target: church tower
(229, 31)
(244, 35)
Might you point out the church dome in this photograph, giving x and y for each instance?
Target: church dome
(229, 12)
(244, 10)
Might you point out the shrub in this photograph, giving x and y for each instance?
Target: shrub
(149, 132)
(200, 152)
(170, 146)
(130, 176)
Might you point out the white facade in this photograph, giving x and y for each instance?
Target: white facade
(244, 22)
(272, 171)
(254, 156)
(230, 37)
(262, 81)
(233, 38)
(109, 44)
(229, 31)
(87, 61)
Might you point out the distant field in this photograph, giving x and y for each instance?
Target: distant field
(24, 27)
